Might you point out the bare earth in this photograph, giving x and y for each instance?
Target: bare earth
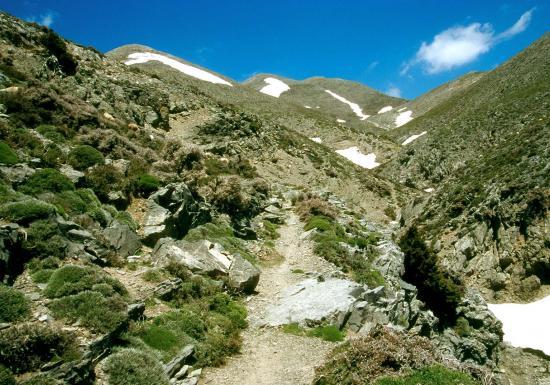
(270, 356)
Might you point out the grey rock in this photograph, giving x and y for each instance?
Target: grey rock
(17, 173)
(183, 357)
(189, 381)
(243, 276)
(165, 289)
(117, 198)
(182, 372)
(530, 284)
(196, 373)
(11, 240)
(389, 262)
(155, 224)
(74, 175)
(79, 235)
(125, 241)
(313, 301)
(65, 225)
(465, 246)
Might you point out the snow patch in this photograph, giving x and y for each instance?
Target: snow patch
(402, 109)
(353, 154)
(274, 87)
(385, 109)
(525, 325)
(403, 118)
(144, 57)
(340, 120)
(413, 137)
(354, 106)
(308, 107)
(429, 190)
(317, 139)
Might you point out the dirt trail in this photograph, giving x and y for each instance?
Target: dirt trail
(269, 356)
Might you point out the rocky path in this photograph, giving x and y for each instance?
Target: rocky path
(270, 356)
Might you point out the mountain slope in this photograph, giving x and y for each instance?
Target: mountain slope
(486, 153)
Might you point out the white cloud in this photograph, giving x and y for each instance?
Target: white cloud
(461, 45)
(393, 91)
(373, 65)
(46, 19)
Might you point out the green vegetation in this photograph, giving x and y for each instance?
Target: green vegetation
(326, 332)
(6, 376)
(57, 47)
(47, 179)
(26, 211)
(7, 155)
(239, 166)
(432, 375)
(103, 179)
(435, 288)
(134, 367)
(52, 133)
(25, 347)
(41, 379)
(87, 295)
(82, 157)
(269, 230)
(146, 184)
(81, 201)
(15, 306)
(153, 275)
(222, 233)
(44, 239)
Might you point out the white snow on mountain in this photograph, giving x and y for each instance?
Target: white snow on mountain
(317, 140)
(402, 109)
(525, 325)
(413, 137)
(354, 106)
(353, 154)
(429, 190)
(144, 57)
(274, 87)
(308, 107)
(340, 120)
(403, 118)
(385, 109)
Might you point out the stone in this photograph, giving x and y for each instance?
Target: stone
(117, 199)
(465, 246)
(390, 262)
(183, 357)
(530, 284)
(182, 372)
(74, 175)
(189, 381)
(243, 276)
(312, 301)
(125, 241)
(165, 289)
(196, 373)
(11, 240)
(155, 224)
(79, 235)
(17, 173)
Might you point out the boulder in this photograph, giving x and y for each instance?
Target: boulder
(11, 260)
(205, 257)
(74, 175)
(155, 225)
(183, 357)
(314, 301)
(122, 239)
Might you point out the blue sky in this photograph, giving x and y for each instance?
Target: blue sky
(401, 47)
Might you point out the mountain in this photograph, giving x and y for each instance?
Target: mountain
(158, 218)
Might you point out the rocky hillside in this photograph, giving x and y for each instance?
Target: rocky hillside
(157, 219)
(485, 156)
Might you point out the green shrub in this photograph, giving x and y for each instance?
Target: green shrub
(42, 276)
(82, 157)
(47, 179)
(326, 332)
(104, 179)
(134, 367)
(25, 347)
(153, 275)
(15, 306)
(92, 309)
(52, 133)
(44, 239)
(146, 184)
(6, 376)
(24, 212)
(422, 269)
(7, 155)
(73, 279)
(57, 47)
(433, 375)
(41, 379)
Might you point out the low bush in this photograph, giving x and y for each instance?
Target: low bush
(7, 155)
(6, 376)
(311, 205)
(46, 180)
(145, 185)
(134, 367)
(326, 332)
(433, 375)
(44, 239)
(15, 306)
(58, 48)
(41, 379)
(269, 230)
(26, 347)
(440, 293)
(52, 133)
(24, 212)
(82, 157)
(104, 179)
(153, 275)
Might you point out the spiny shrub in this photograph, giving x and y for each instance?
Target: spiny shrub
(435, 288)
(58, 48)
(47, 179)
(41, 379)
(146, 184)
(7, 155)
(25, 347)
(52, 133)
(24, 212)
(104, 179)
(311, 205)
(433, 375)
(134, 367)
(15, 306)
(73, 279)
(82, 157)
(44, 239)
(6, 376)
